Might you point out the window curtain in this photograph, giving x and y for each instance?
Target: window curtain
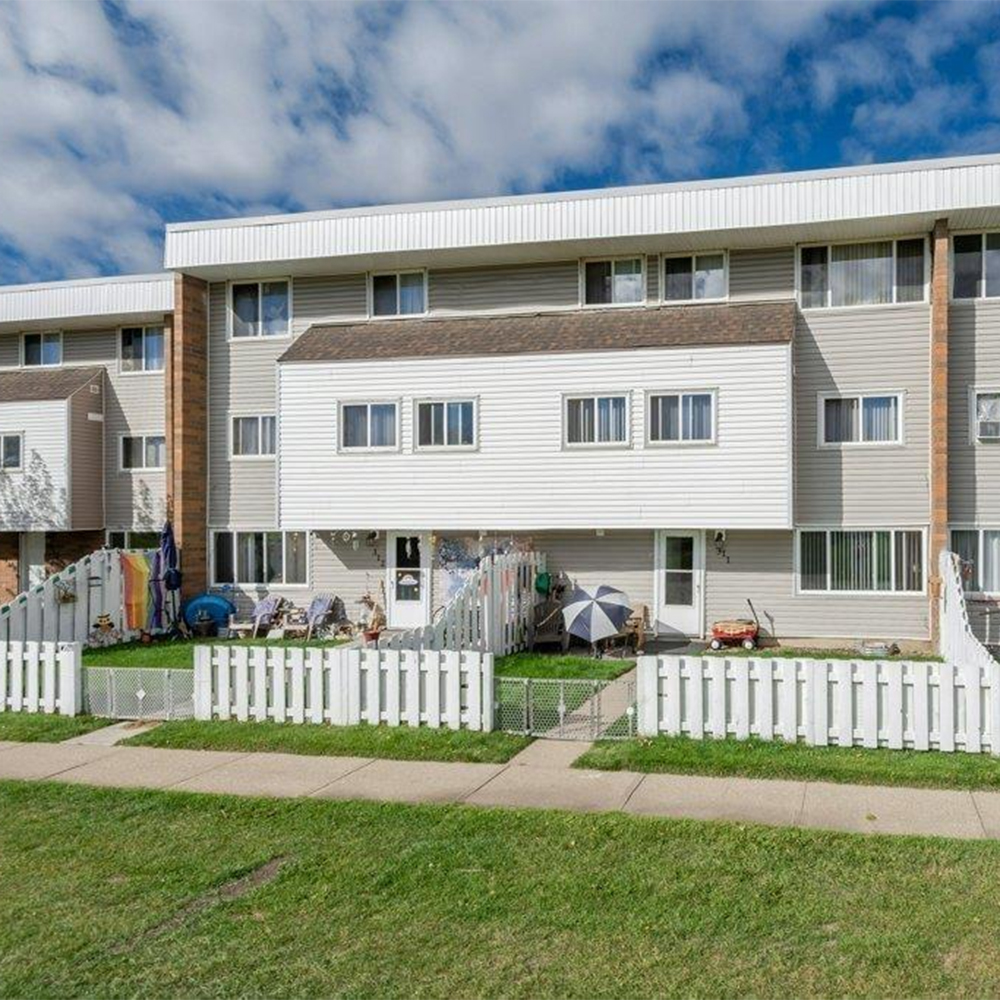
(274, 308)
(355, 426)
(411, 293)
(246, 310)
(698, 417)
(598, 282)
(812, 560)
(611, 418)
(628, 280)
(991, 562)
(710, 277)
(861, 274)
(840, 420)
(580, 429)
(988, 415)
(852, 560)
(880, 418)
(460, 424)
(383, 425)
(665, 418)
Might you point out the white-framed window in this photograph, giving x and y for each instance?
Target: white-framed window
(41, 350)
(681, 417)
(697, 277)
(861, 560)
(254, 436)
(140, 349)
(861, 418)
(369, 426)
(984, 415)
(11, 452)
(446, 423)
(143, 451)
(614, 281)
(877, 272)
(126, 538)
(253, 558)
(979, 551)
(260, 308)
(975, 266)
(596, 420)
(399, 293)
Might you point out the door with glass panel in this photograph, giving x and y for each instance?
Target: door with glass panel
(680, 562)
(407, 580)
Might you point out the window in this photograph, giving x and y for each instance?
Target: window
(144, 452)
(368, 425)
(42, 349)
(403, 294)
(596, 420)
(142, 349)
(976, 266)
(260, 309)
(126, 539)
(248, 558)
(979, 551)
(862, 274)
(861, 419)
(861, 561)
(254, 436)
(702, 276)
(676, 418)
(613, 282)
(10, 452)
(985, 415)
(446, 424)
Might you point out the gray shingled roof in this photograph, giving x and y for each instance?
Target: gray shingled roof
(44, 383)
(580, 330)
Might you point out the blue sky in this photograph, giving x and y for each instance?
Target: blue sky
(118, 117)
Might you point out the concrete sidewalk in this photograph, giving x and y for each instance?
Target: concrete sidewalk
(538, 778)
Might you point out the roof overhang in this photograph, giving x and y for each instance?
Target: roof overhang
(745, 212)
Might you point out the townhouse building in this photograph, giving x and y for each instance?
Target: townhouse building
(784, 388)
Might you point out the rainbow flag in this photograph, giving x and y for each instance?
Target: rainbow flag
(135, 588)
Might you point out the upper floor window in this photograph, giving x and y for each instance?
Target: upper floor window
(979, 551)
(260, 309)
(601, 420)
(681, 418)
(42, 349)
(985, 407)
(861, 419)
(861, 561)
(144, 451)
(694, 278)
(613, 282)
(260, 557)
(10, 452)
(368, 425)
(403, 294)
(446, 424)
(862, 274)
(976, 266)
(254, 436)
(142, 349)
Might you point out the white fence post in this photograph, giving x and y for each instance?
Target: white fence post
(648, 695)
(486, 678)
(203, 682)
(70, 672)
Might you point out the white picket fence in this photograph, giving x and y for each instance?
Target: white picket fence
(959, 643)
(345, 686)
(493, 612)
(65, 607)
(894, 703)
(40, 677)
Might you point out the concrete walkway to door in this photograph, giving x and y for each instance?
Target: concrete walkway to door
(539, 777)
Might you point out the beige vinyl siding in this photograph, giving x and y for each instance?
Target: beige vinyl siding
(762, 274)
(34, 498)
(10, 350)
(973, 360)
(134, 404)
(511, 288)
(855, 350)
(760, 565)
(86, 454)
(329, 298)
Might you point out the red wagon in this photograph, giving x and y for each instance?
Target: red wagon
(737, 631)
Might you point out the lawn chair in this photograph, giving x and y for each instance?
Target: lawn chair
(314, 619)
(264, 616)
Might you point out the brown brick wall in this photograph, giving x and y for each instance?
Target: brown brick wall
(10, 554)
(65, 547)
(187, 428)
(939, 413)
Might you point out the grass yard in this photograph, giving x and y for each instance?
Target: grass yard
(761, 759)
(28, 727)
(560, 666)
(112, 893)
(175, 654)
(392, 742)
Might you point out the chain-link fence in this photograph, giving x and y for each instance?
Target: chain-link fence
(138, 693)
(566, 708)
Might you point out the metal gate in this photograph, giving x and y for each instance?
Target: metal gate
(138, 693)
(566, 709)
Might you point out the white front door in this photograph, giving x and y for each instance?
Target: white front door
(680, 561)
(408, 578)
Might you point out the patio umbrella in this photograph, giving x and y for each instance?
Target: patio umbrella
(595, 613)
(168, 567)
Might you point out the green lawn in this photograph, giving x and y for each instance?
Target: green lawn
(555, 665)
(175, 654)
(25, 727)
(111, 893)
(393, 742)
(760, 759)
